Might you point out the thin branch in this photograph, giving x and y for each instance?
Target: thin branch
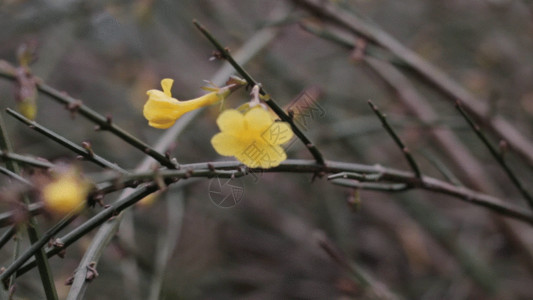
(497, 156)
(85, 152)
(373, 288)
(233, 169)
(426, 71)
(7, 235)
(269, 100)
(26, 160)
(31, 227)
(33, 209)
(15, 176)
(36, 247)
(396, 139)
(103, 123)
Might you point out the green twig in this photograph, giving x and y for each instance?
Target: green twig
(85, 152)
(269, 100)
(396, 139)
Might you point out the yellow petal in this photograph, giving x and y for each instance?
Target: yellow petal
(160, 109)
(278, 133)
(231, 121)
(226, 144)
(166, 84)
(163, 125)
(258, 119)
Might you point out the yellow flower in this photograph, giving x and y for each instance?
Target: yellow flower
(66, 193)
(254, 138)
(162, 111)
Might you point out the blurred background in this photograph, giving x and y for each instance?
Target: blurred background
(271, 245)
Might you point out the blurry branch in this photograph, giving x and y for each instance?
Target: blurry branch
(497, 155)
(396, 139)
(166, 243)
(26, 160)
(7, 217)
(7, 235)
(103, 123)
(372, 288)
(429, 218)
(459, 155)
(427, 72)
(231, 169)
(85, 152)
(15, 176)
(103, 216)
(224, 53)
(249, 50)
(45, 272)
(441, 167)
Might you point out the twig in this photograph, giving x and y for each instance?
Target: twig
(396, 139)
(33, 209)
(210, 169)
(374, 288)
(36, 247)
(31, 228)
(85, 152)
(166, 242)
(26, 160)
(15, 176)
(269, 100)
(426, 71)
(102, 122)
(497, 156)
(7, 235)
(252, 47)
(382, 187)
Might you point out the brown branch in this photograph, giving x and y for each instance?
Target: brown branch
(426, 71)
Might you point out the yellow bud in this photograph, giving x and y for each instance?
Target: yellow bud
(66, 193)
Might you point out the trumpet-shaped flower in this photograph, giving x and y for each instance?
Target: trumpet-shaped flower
(162, 111)
(66, 193)
(254, 138)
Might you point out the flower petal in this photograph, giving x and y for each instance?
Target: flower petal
(160, 108)
(231, 121)
(226, 144)
(258, 119)
(278, 133)
(163, 125)
(166, 84)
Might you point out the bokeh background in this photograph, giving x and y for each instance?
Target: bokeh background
(271, 244)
